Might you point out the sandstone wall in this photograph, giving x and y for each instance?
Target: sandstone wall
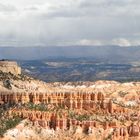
(112, 110)
(10, 66)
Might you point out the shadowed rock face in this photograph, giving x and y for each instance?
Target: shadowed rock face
(95, 110)
(10, 66)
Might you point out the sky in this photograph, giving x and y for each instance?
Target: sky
(69, 22)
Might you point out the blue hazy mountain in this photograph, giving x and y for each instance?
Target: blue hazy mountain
(105, 53)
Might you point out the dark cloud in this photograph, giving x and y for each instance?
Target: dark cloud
(69, 22)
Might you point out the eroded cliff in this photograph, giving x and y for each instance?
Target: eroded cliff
(85, 110)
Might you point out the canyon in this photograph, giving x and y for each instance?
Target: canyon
(101, 110)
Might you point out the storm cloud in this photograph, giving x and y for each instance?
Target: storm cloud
(69, 22)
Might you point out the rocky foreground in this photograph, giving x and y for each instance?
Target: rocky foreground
(102, 110)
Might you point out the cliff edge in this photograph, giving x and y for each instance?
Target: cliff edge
(10, 67)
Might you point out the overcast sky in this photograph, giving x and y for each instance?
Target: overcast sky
(69, 22)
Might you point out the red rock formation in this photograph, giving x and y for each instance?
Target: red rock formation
(102, 106)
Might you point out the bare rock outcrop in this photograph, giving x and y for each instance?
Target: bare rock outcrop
(10, 66)
(86, 110)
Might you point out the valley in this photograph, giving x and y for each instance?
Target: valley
(80, 69)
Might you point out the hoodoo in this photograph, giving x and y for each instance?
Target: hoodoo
(95, 110)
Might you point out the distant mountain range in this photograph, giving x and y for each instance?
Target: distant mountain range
(77, 63)
(102, 53)
(80, 69)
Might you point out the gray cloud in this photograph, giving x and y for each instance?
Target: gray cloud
(69, 22)
(7, 8)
